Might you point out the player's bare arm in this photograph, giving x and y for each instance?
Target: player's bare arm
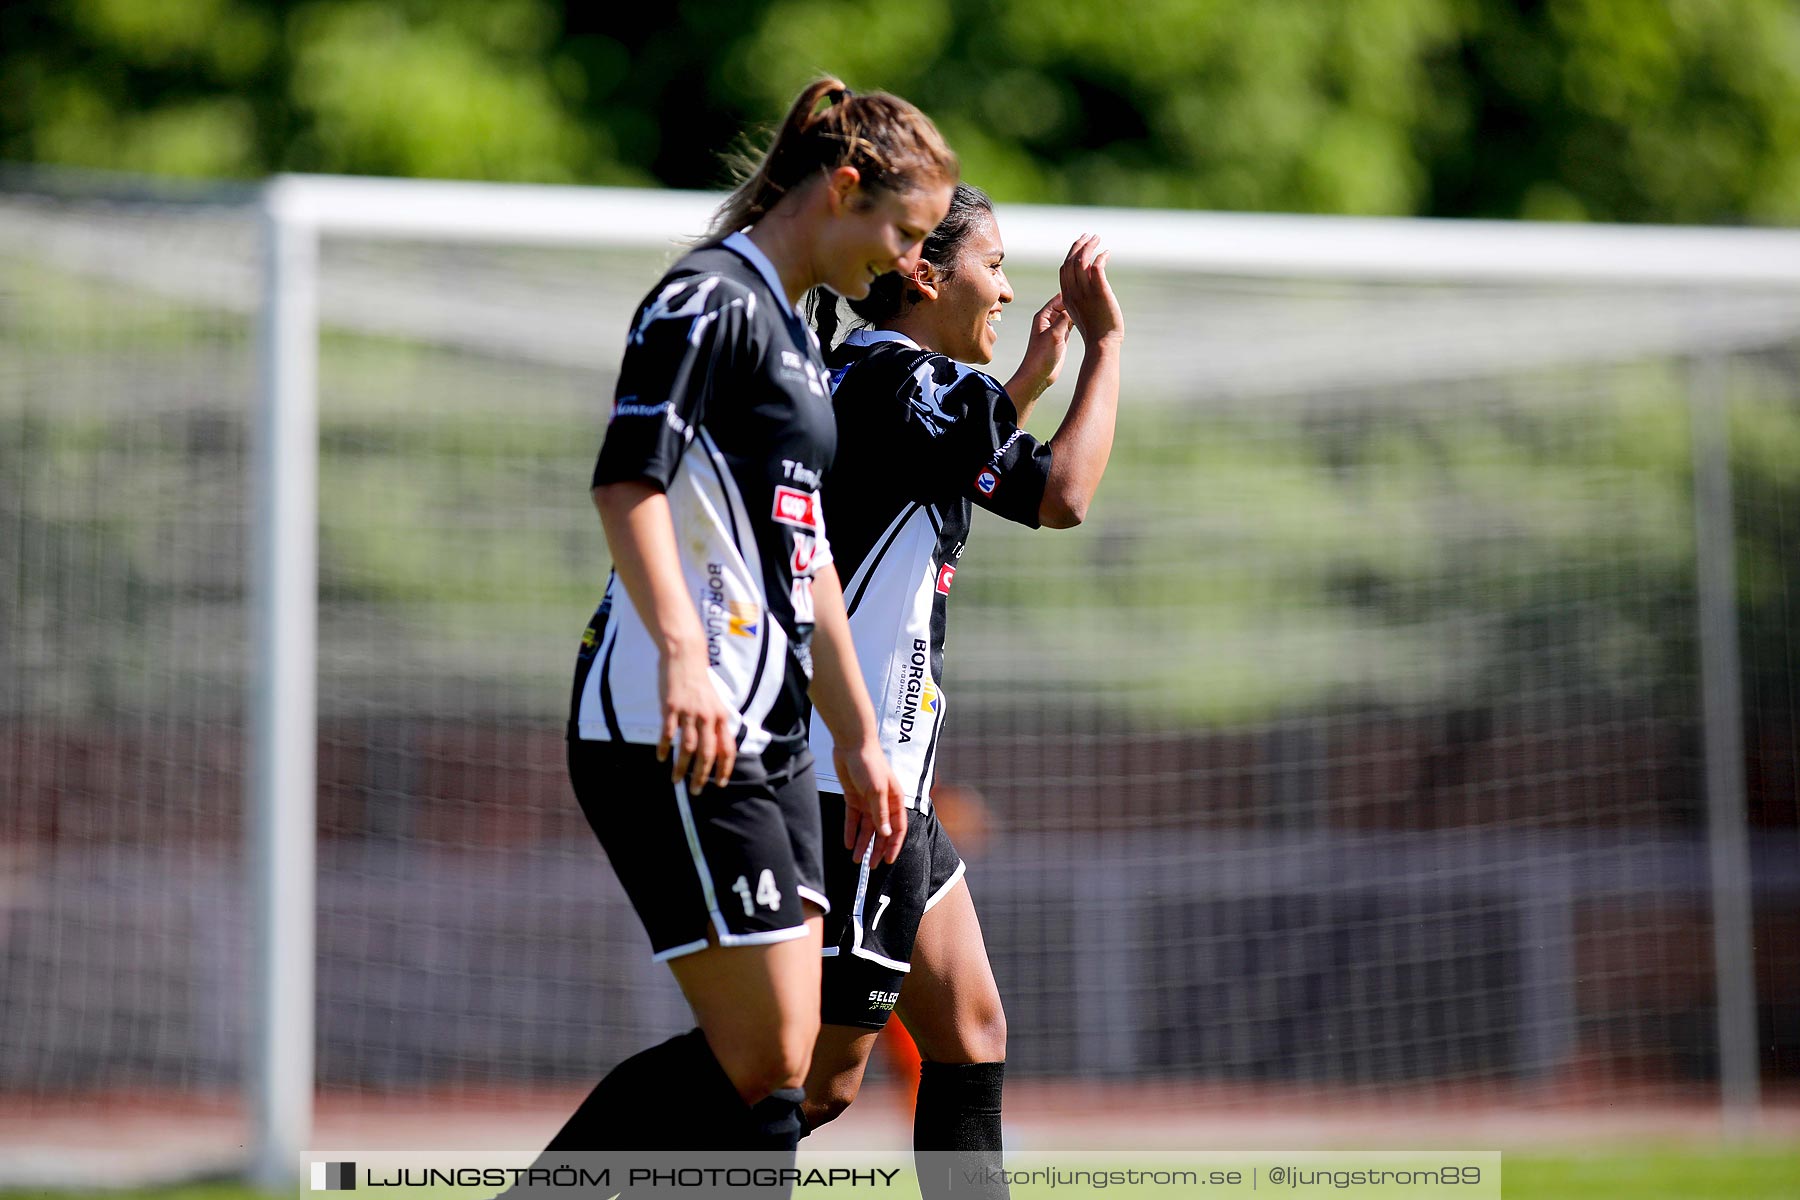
(1083, 442)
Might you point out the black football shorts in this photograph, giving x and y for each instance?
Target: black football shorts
(737, 860)
(875, 912)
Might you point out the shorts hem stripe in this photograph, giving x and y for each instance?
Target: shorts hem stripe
(762, 937)
(828, 951)
(949, 883)
(817, 898)
(679, 951)
(889, 963)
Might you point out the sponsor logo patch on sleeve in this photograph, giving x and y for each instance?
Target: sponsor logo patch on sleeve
(806, 550)
(946, 576)
(795, 507)
(988, 480)
(802, 599)
(628, 406)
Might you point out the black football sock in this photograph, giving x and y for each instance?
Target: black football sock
(676, 1097)
(775, 1122)
(673, 1096)
(959, 1111)
(774, 1129)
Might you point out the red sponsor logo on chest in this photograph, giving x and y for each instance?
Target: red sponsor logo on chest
(795, 507)
(946, 574)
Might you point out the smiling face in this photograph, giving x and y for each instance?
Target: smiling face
(967, 307)
(875, 231)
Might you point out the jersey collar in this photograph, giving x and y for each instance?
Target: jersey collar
(756, 258)
(868, 337)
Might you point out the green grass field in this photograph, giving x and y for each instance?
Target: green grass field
(1722, 1174)
(1760, 1173)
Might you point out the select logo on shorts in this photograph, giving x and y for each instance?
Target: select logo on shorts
(334, 1177)
(795, 507)
(946, 576)
(743, 619)
(987, 481)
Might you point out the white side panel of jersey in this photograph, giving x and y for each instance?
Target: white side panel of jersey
(892, 631)
(706, 512)
(755, 693)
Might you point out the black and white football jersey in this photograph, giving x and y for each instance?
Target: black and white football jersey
(921, 440)
(721, 403)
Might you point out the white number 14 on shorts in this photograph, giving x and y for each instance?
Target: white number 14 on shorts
(767, 894)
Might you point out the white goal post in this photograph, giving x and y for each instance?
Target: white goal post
(298, 211)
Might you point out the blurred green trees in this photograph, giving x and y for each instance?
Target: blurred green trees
(1637, 110)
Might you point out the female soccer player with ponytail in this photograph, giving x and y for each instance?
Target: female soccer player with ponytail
(922, 440)
(688, 734)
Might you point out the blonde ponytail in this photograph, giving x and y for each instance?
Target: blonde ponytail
(892, 145)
